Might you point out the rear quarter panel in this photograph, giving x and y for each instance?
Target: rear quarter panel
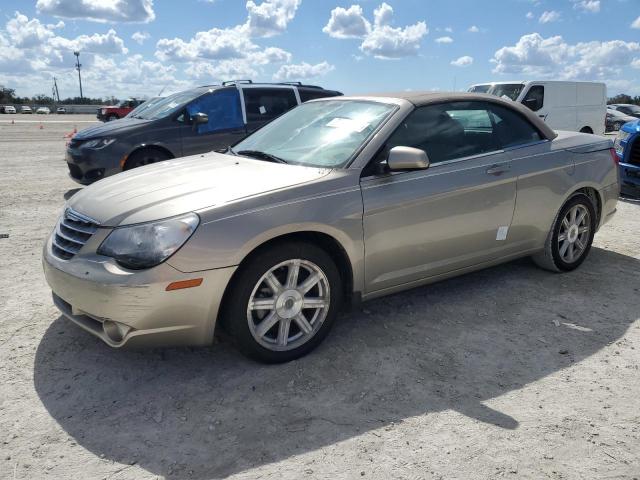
(548, 174)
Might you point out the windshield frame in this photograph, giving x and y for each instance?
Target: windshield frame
(494, 86)
(393, 109)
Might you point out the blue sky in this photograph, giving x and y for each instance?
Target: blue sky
(138, 47)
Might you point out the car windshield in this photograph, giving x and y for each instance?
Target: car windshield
(506, 90)
(167, 105)
(480, 88)
(322, 134)
(135, 113)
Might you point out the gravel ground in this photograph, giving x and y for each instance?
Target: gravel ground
(511, 372)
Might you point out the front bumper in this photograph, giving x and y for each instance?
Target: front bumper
(88, 165)
(630, 179)
(132, 308)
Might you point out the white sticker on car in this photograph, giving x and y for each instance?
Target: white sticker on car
(502, 233)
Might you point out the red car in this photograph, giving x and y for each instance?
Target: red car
(107, 114)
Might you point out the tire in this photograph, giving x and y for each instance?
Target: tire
(284, 336)
(567, 247)
(145, 156)
(111, 118)
(617, 126)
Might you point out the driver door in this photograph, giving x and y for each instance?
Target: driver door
(224, 128)
(455, 214)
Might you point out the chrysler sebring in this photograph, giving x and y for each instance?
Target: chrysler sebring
(338, 201)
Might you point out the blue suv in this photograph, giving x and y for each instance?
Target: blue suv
(627, 146)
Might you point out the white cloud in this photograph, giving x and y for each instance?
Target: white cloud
(96, 43)
(216, 44)
(465, 61)
(444, 40)
(473, 29)
(25, 33)
(530, 15)
(549, 16)
(591, 6)
(380, 39)
(636, 23)
(140, 37)
(347, 23)
(99, 10)
(302, 71)
(534, 55)
(271, 17)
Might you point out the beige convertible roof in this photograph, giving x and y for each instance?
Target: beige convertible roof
(420, 99)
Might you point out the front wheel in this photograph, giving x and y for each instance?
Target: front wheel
(146, 156)
(283, 302)
(571, 236)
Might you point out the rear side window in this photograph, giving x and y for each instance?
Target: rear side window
(265, 104)
(535, 98)
(448, 131)
(512, 128)
(307, 94)
(223, 109)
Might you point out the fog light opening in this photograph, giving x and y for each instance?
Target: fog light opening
(115, 331)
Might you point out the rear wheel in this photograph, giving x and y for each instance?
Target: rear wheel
(146, 156)
(571, 236)
(283, 302)
(111, 118)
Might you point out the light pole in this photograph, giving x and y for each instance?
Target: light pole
(78, 65)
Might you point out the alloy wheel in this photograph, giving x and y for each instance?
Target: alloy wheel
(573, 237)
(288, 305)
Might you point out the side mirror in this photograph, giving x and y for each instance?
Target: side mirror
(407, 158)
(532, 104)
(200, 118)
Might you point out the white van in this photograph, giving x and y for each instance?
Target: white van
(575, 106)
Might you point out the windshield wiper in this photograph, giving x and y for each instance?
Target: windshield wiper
(260, 155)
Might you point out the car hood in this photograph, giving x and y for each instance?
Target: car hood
(184, 185)
(632, 127)
(110, 128)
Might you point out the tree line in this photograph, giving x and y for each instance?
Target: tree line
(8, 96)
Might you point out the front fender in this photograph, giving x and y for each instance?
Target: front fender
(228, 241)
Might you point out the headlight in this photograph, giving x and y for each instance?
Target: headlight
(148, 244)
(622, 136)
(98, 143)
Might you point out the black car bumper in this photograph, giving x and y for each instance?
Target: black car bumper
(89, 165)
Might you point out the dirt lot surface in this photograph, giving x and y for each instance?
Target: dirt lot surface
(511, 372)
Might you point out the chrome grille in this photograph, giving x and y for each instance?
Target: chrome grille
(72, 232)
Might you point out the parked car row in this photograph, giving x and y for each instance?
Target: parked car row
(312, 202)
(26, 109)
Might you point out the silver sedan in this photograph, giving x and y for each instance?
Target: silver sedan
(336, 202)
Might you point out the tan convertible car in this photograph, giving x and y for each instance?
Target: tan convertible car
(335, 202)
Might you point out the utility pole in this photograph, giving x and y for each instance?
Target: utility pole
(78, 65)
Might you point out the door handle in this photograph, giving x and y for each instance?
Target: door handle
(497, 169)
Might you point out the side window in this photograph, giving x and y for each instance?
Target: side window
(223, 109)
(307, 94)
(535, 98)
(512, 128)
(447, 131)
(265, 104)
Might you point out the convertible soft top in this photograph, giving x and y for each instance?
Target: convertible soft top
(420, 99)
